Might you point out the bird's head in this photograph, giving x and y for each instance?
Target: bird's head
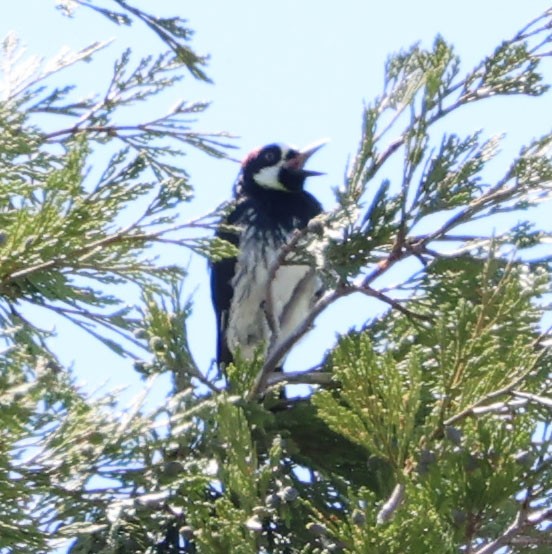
(277, 167)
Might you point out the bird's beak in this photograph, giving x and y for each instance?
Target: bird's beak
(298, 162)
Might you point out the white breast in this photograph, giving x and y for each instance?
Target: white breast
(293, 291)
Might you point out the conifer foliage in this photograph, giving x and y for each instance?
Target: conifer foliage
(426, 431)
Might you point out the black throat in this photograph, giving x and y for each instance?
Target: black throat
(271, 210)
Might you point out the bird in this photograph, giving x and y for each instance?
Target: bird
(269, 205)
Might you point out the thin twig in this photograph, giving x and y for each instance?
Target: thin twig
(542, 400)
(369, 291)
(300, 377)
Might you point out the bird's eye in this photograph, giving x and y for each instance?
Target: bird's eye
(270, 156)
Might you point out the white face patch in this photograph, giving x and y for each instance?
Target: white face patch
(268, 176)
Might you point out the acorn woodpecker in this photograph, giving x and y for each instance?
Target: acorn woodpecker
(269, 205)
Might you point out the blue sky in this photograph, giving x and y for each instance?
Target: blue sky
(283, 71)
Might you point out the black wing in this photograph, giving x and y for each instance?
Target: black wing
(222, 291)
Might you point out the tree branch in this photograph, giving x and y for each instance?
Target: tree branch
(522, 521)
(391, 505)
(542, 400)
